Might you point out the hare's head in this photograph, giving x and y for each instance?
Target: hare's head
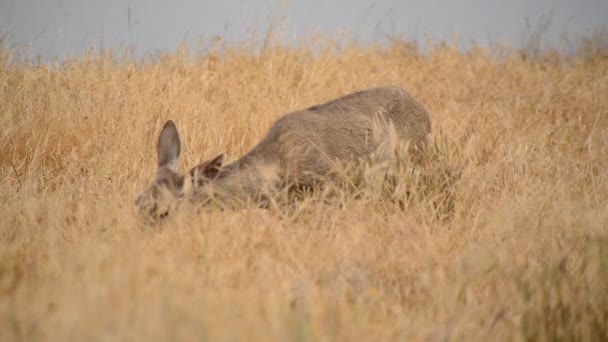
(168, 184)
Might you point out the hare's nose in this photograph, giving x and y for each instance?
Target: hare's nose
(165, 214)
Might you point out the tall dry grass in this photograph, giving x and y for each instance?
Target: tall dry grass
(501, 233)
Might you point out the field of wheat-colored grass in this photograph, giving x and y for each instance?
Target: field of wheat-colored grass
(503, 233)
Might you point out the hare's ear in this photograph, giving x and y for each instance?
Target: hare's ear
(208, 169)
(168, 147)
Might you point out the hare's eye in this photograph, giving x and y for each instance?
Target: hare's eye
(152, 209)
(162, 183)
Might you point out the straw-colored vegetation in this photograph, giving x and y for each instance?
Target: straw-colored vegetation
(501, 232)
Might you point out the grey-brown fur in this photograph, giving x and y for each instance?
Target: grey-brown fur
(303, 145)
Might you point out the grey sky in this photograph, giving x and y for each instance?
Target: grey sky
(61, 27)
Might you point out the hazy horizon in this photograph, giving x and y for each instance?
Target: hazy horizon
(61, 28)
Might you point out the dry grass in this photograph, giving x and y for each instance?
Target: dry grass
(504, 233)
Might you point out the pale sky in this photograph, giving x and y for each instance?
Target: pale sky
(63, 27)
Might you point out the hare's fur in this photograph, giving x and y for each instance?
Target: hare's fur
(299, 148)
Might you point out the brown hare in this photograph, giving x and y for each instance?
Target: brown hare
(299, 148)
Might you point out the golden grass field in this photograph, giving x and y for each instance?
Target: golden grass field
(503, 235)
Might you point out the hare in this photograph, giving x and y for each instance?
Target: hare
(299, 148)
